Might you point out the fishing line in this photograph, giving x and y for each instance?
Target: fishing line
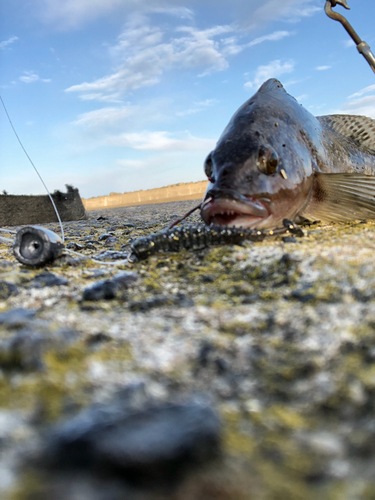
(6, 240)
(35, 246)
(36, 170)
(105, 262)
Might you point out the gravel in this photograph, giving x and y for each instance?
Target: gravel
(266, 350)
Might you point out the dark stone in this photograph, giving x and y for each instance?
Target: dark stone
(6, 263)
(17, 317)
(47, 279)
(250, 299)
(74, 246)
(23, 351)
(221, 366)
(112, 255)
(152, 446)
(362, 295)
(90, 246)
(180, 300)
(104, 236)
(126, 278)
(289, 239)
(112, 240)
(370, 355)
(97, 338)
(302, 295)
(95, 273)
(7, 289)
(204, 353)
(129, 225)
(207, 279)
(103, 289)
(102, 218)
(109, 289)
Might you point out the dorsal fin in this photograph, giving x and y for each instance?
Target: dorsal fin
(271, 85)
(359, 129)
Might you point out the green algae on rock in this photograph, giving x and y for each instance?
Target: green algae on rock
(280, 335)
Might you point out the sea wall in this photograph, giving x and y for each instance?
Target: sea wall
(17, 210)
(175, 192)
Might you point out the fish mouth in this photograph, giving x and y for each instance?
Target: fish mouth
(249, 213)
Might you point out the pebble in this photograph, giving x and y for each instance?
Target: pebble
(179, 299)
(108, 289)
(112, 255)
(23, 350)
(104, 236)
(7, 289)
(48, 279)
(112, 240)
(16, 317)
(155, 444)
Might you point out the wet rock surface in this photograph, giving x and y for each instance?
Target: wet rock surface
(276, 340)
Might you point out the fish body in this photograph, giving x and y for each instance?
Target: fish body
(276, 161)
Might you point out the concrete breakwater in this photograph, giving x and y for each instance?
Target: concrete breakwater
(16, 210)
(175, 192)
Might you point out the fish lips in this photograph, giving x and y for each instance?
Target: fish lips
(242, 211)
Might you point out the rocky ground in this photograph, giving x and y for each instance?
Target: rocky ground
(227, 373)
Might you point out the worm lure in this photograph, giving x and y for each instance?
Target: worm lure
(197, 237)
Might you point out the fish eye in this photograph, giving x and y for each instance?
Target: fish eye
(272, 163)
(268, 160)
(208, 166)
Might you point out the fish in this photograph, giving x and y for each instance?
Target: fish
(276, 161)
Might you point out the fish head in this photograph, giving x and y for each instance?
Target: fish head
(261, 169)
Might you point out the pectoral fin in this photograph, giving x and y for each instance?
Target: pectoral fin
(341, 197)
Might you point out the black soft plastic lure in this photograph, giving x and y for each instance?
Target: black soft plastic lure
(199, 236)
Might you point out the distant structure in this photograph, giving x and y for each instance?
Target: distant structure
(174, 192)
(18, 210)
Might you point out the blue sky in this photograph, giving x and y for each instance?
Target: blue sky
(121, 95)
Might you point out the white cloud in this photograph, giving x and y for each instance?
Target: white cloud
(73, 13)
(105, 117)
(101, 97)
(364, 106)
(5, 43)
(144, 52)
(181, 12)
(272, 37)
(231, 45)
(296, 13)
(288, 83)
(348, 43)
(198, 107)
(361, 92)
(144, 55)
(272, 70)
(30, 77)
(131, 164)
(289, 10)
(322, 68)
(158, 141)
(70, 14)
